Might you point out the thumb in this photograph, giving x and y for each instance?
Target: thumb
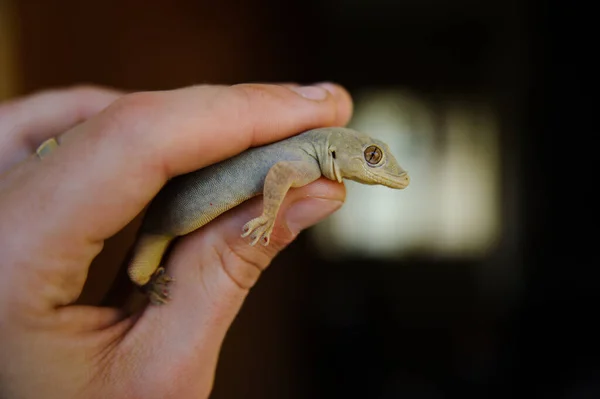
(214, 268)
(219, 248)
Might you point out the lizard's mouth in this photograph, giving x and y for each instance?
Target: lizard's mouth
(399, 181)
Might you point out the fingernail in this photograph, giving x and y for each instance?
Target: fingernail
(310, 211)
(330, 87)
(311, 92)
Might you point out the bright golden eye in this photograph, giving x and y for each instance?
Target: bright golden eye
(373, 154)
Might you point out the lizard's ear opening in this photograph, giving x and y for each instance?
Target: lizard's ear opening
(335, 169)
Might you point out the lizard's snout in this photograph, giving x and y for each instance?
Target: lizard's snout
(392, 180)
(403, 180)
(404, 177)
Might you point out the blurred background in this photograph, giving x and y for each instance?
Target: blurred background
(450, 288)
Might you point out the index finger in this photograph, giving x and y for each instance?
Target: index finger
(109, 167)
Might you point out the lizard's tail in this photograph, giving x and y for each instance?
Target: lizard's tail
(147, 254)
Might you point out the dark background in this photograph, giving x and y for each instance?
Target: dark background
(367, 328)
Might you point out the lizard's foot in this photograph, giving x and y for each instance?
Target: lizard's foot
(259, 228)
(157, 289)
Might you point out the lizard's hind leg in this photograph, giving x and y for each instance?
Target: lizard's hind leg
(145, 271)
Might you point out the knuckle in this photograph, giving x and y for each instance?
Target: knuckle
(239, 105)
(131, 110)
(242, 98)
(130, 120)
(134, 103)
(248, 105)
(123, 122)
(252, 96)
(242, 267)
(244, 264)
(250, 92)
(260, 256)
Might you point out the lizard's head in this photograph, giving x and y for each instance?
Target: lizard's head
(356, 156)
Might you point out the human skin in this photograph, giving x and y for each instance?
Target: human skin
(116, 152)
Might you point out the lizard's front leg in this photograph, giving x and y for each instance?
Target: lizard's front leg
(280, 178)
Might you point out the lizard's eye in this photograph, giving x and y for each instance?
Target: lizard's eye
(373, 154)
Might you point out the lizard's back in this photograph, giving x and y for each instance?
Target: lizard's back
(189, 201)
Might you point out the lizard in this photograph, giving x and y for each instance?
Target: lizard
(189, 201)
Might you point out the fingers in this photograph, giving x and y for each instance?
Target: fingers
(241, 262)
(27, 122)
(110, 166)
(213, 270)
(100, 179)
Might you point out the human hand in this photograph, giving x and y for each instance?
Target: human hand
(116, 151)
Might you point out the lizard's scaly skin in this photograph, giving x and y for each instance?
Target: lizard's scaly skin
(190, 201)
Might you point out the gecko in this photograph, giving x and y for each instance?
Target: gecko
(189, 201)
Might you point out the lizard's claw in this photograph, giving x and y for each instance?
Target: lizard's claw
(157, 288)
(259, 228)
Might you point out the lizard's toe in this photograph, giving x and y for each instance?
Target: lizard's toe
(259, 228)
(157, 289)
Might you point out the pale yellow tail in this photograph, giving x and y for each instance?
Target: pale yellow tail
(147, 255)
